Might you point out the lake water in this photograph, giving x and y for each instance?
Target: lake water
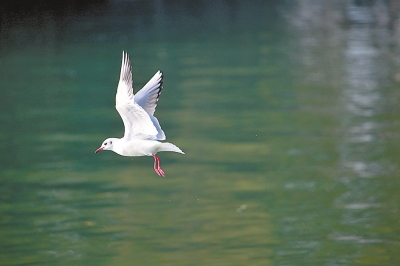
(288, 113)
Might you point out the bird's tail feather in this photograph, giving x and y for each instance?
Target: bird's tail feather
(166, 146)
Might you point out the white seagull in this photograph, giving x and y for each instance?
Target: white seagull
(142, 130)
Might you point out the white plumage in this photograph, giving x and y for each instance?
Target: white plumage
(142, 129)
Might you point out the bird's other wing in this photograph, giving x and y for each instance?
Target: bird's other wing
(147, 97)
(137, 122)
(160, 134)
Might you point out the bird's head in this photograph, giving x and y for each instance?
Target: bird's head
(107, 145)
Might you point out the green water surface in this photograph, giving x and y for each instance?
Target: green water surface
(288, 114)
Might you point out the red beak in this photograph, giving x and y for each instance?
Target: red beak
(98, 150)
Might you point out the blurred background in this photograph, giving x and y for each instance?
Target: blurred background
(288, 112)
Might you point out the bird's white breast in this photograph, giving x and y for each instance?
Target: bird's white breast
(136, 147)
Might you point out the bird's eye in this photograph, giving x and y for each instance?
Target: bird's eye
(105, 143)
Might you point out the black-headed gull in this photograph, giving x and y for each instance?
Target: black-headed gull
(142, 130)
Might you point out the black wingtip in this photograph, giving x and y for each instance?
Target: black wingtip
(161, 84)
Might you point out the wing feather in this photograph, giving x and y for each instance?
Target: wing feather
(148, 96)
(137, 122)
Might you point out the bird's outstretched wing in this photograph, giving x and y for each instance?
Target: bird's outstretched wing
(147, 97)
(138, 123)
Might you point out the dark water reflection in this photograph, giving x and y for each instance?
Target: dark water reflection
(287, 114)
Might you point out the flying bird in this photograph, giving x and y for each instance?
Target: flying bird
(142, 129)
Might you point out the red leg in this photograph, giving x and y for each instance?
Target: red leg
(160, 171)
(157, 166)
